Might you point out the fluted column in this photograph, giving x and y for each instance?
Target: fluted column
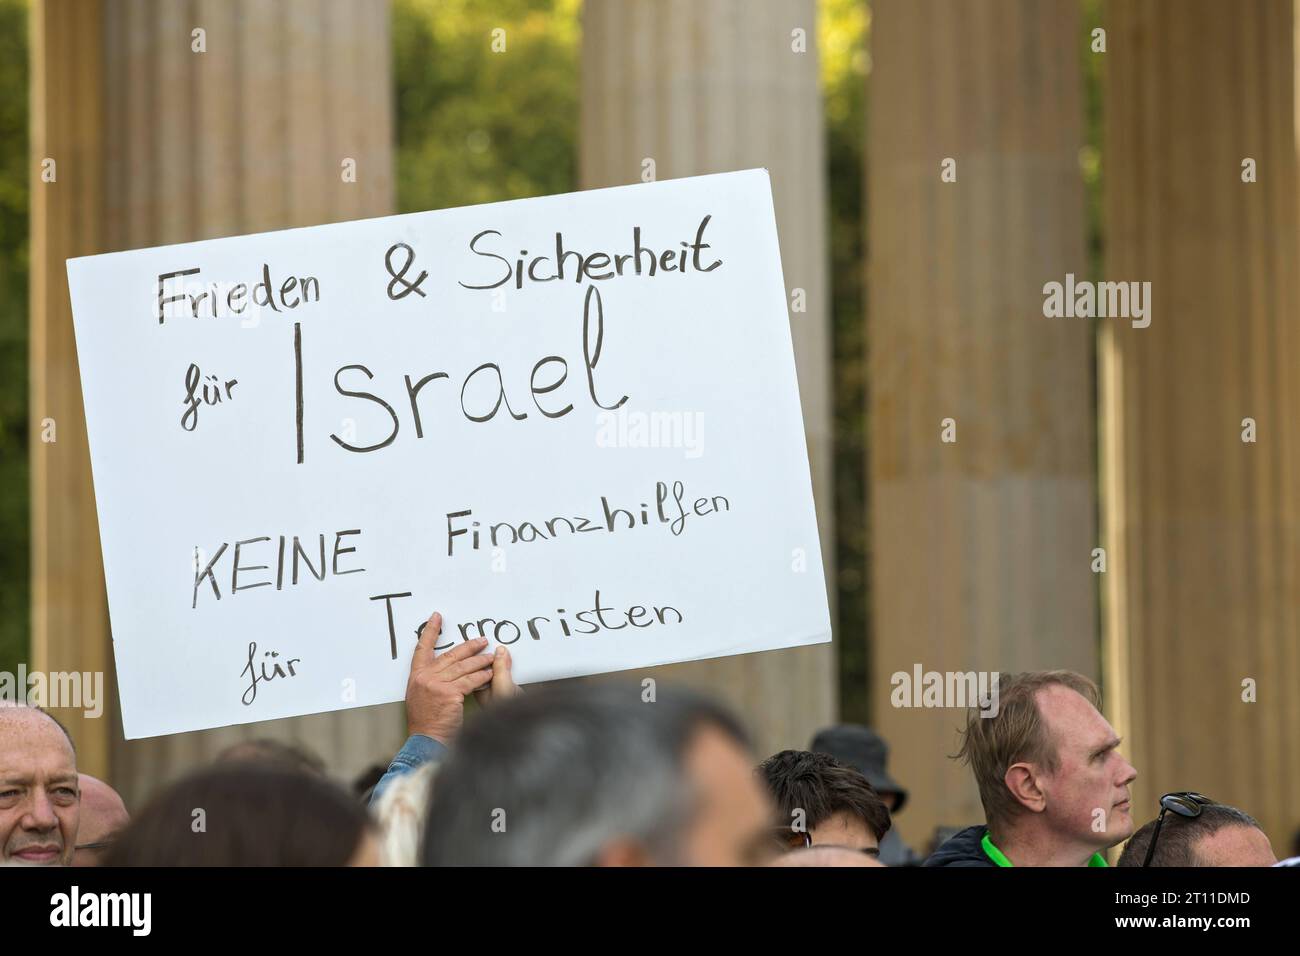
(249, 134)
(1203, 592)
(69, 614)
(705, 86)
(981, 545)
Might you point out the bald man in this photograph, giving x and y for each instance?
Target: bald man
(103, 817)
(40, 795)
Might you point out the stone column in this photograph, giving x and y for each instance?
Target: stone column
(705, 86)
(69, 613)
(980, 546)
(1203, 591)
(171, 143)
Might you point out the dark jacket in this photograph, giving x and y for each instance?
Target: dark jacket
(962, 850)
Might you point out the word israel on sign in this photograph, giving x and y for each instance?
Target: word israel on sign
(304, 442)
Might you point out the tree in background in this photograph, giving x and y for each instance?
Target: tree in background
(475, 125)
(843, 30)
(15, 537)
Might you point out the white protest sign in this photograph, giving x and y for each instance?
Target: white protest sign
(570, 424)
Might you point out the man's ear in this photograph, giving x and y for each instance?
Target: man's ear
(622, 852)
(1022, 780)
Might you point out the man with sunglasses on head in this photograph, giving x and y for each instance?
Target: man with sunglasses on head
(822, 802)
(1193, 830)
(1054, 786)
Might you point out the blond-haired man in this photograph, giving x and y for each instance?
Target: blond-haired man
(1053, 783)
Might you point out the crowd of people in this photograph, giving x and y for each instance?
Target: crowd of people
(606, 773)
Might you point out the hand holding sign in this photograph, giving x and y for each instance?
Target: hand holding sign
(439, 683)
(503, 683)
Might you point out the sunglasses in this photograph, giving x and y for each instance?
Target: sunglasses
(1186, 804)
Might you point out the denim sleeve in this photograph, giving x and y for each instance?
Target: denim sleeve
(415, 753)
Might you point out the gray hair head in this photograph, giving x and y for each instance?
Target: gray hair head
(550, 778)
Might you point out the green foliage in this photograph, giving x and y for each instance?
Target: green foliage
(15, 565)
(474, 125)
(843, 29)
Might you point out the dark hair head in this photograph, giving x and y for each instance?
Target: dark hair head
(1179, 836)
(244, 814)
(821, 787)
(551, 777)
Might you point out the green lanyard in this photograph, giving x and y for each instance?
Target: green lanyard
(1000, 858)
